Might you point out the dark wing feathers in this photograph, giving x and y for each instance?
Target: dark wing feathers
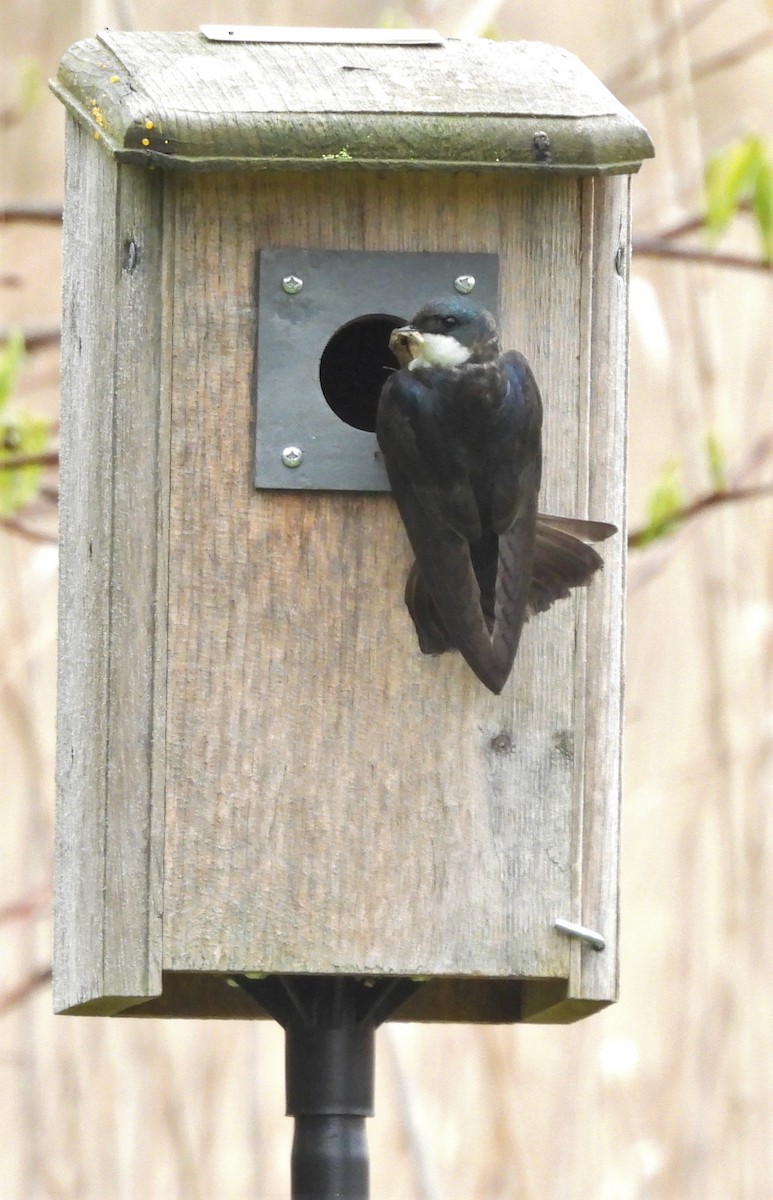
(448, 577)
(513, 582)
(588, 531)
(485, 559)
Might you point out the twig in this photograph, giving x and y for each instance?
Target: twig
(25, 989)
(643, 536)
(665, 82)
(692, 224)
(36, 339)
(660, 247)
(30, 535)
(43, 214)
(29, 460)
(688, 225)
(682, 23)
(28, 907)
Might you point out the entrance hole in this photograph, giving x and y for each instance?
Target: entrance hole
(355, 365)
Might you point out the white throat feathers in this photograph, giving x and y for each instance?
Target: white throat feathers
(440, 350)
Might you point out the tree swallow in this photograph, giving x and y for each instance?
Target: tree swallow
(460, 428)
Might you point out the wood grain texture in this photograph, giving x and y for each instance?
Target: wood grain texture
(108, 882)
(608, 390)
(326, 798)
(178, 100)
(335, 801)
(603, 359)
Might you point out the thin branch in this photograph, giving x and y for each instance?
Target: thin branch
(29, 460)
(682, 228)
(36, 339)
(12, 525)
(692, 224)
(643, 536)
(659, 247)
(730, 58)
(28, 907)
(36, 214)
(22, 991)
(666, 82)
(682, 23)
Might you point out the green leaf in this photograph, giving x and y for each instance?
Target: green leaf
(31, 86)
(666, 502)
(741, 174)
(762, 206)
(21, 434)
(715, 453)
(731, 178)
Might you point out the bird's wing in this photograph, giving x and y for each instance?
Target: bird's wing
(561, 562)
(444, 559)
(516, 503)
(587, 531)
(436, 514)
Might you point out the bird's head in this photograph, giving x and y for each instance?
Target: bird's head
(446, 333)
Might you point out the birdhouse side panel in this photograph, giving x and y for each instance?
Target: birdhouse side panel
(610, 199)
(112, 608)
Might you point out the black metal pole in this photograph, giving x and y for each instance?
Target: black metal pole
(329, 1076)
(330, 1024)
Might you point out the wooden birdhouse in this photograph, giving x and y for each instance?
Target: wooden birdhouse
(260, 774)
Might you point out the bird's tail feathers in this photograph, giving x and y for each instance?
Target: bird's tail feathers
(561, 562)
(430, 630)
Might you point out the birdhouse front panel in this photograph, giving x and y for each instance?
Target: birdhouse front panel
(277, 777)
(378, 810)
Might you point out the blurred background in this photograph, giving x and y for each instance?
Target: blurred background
(669, 1094)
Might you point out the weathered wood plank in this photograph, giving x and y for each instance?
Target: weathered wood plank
(111, 598)
(606, 617)
(334, 800)
(135, 783)
(85, 529)
(593, 979)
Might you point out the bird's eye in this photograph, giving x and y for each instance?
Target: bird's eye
(450, 322)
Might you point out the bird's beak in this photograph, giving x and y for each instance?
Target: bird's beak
(406, 344)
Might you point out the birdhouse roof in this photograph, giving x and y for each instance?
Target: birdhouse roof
(181, 100)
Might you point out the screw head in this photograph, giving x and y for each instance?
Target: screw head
(292, 456)
(292, 284)
(464, 283)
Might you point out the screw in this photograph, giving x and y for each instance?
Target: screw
(541, 143)
(292, 456)
(596, 940)
(292, 284)
(464, 283)
(620, 260)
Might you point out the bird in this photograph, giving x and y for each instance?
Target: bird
(459, 426)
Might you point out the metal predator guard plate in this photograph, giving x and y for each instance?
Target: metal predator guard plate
(293, 331)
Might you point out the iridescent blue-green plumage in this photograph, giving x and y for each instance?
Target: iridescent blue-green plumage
(462, 448)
